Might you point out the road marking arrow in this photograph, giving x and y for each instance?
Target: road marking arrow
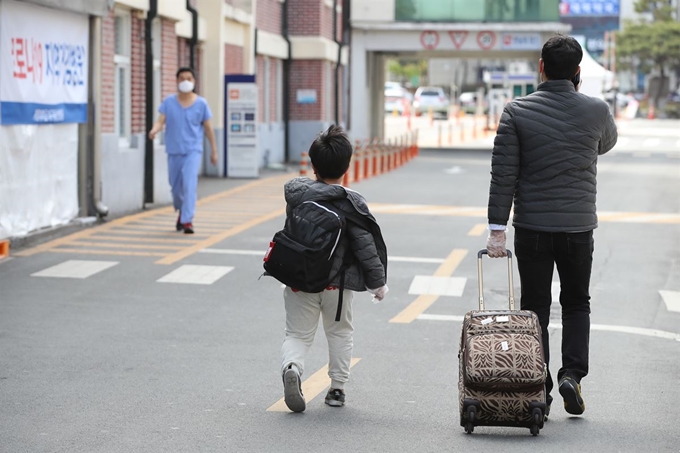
(671, 299)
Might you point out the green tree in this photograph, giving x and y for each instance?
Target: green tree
(407, 70)
(652, 44)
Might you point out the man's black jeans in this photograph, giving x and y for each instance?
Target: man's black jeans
(537, 252)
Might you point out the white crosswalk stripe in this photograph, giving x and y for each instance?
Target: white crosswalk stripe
(651, 142)
(75, 269)
(196, 274)
(437, 286)
(593, 327)
(671, 299)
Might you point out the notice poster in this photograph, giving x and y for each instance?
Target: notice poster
(240, 132)
(43, 65)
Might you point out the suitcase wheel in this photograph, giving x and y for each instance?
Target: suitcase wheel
(536, 426)
(472, 417)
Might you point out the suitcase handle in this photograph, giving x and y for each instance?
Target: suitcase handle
(480, 279)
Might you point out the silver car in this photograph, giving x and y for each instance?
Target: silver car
(432, 99)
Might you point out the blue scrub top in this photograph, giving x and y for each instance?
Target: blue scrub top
(184, 126)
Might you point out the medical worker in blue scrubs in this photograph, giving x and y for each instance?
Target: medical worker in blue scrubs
(186, 116)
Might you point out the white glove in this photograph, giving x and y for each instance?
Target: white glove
(378, 293)
(495, 244)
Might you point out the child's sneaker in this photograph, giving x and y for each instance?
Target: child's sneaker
(292, 390)
(335, 397)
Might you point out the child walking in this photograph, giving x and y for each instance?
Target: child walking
(361, 255)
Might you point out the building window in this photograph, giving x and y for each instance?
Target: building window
(122, 95)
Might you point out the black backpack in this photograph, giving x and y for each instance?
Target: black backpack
(300, 255)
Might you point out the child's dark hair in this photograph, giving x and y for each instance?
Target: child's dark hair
(331, 153)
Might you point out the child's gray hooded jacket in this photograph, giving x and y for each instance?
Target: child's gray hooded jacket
(368, 267)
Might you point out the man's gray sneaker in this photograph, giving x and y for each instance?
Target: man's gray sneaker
(292, 390)
(335, 397)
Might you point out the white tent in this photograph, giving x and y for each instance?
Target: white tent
(594, 77)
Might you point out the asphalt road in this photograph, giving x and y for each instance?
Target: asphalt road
(121, 362)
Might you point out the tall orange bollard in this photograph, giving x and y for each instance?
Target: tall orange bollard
(375, 151)
(303, 164)
(390, 165)
(357, 165)
(367, 161)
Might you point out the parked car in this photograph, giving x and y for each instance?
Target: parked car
(395, 100)
(468, 102)
(432, 99)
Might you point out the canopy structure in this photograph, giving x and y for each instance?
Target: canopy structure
(595, 79)
(93, 7)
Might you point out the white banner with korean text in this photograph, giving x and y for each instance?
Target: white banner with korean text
(43, 65)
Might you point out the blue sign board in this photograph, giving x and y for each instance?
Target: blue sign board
(570, 8)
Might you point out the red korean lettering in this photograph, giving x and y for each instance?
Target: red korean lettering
(37, 62)
(19, 58)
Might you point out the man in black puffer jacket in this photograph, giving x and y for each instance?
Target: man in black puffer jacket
(361, 255)
(545, 160)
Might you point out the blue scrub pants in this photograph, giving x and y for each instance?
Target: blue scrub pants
(183, 176)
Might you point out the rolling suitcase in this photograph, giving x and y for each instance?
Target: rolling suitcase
(502, 371)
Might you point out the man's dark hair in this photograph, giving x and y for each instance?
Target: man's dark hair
(561, 56)
(185, 69)
(331, 153)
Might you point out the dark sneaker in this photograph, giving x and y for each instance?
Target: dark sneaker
(548, 403)
(179, 225)
(188, 228)
(292, 390)
(571, 392)
(335, 397)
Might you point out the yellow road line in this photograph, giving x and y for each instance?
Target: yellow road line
(143, 226)
(477, 230)
(99, 237)
(311, 387)
(134, 229)
(103, 252)
(139, 234)
(212, 240)
(126, 246)
(236, 190)
(117, 223)
(423, 302)
(165, 225)
(478, 211)
(275, 181)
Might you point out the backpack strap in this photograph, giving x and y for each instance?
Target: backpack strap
(346, 261)
(340, 291)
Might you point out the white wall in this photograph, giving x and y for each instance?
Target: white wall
(38, 177)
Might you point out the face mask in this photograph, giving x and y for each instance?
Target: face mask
(186, 86)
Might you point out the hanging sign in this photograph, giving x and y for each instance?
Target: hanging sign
(43, 65)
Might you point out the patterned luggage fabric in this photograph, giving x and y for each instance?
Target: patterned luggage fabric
(501, 367)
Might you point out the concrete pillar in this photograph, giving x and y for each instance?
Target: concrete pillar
(212, 73)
